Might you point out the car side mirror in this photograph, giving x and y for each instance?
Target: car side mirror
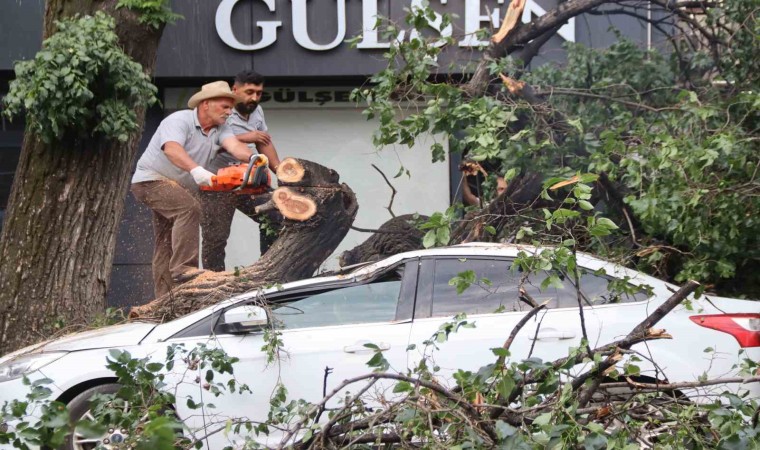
(243, 319)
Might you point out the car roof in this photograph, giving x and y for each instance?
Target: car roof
(368, 270)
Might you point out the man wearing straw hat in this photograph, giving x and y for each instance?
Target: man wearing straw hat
(171, 169)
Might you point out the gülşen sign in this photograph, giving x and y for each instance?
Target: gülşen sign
(473, 20)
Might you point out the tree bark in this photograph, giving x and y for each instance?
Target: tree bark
(298, 252)
(399, 234)
(64, 210)
(522, 193)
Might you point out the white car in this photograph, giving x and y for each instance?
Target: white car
(394, 303)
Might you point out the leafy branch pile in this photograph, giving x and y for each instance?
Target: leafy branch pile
(591, 399)
(671, 132)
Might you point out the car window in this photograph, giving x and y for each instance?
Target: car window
(599, 290)
(496, 288)
(482, 297)
(366, 303)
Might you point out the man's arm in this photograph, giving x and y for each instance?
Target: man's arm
(271, 153)
(237, 148)
(178, 156)
(468, 198)
(255, 137)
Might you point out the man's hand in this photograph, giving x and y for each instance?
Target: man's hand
(261, 137)
(471, 168)
(201, 176)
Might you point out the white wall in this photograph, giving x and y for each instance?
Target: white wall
(340, 138)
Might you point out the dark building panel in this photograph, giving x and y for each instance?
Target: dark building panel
(191, 47)
(131, 285)
(131, 278)
(20, 30)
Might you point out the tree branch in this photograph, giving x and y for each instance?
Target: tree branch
(393, 190)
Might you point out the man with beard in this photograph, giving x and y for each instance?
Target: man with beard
(248, 125)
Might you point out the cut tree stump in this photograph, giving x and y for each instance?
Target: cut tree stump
(294, 206)
(317, 218)
(299, 172)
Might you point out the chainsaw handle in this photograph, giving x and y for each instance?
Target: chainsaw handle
(247, 175)
(248, 170)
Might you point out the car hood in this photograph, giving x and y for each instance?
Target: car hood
(112, 336)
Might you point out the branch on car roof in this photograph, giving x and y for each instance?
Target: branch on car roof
(672, 386)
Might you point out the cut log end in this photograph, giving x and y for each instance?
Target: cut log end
(290, 171)
(294, 206)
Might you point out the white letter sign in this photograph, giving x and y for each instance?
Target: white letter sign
(224, 27)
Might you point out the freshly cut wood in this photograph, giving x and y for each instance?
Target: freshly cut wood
(290, 171)
(316, 220)
(294, 206)
(511, 19)
(300, 172)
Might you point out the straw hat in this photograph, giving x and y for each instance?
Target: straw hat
(212, 90)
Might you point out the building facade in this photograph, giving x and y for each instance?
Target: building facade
(299, 45)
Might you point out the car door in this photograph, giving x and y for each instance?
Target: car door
(492, 304)
(323, 335)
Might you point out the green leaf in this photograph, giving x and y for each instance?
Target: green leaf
(443, 235)
(154, 367)
(505, 386)
(607, 223)
(89, 429)
(403, 386)
(543, 419)
(429, 239)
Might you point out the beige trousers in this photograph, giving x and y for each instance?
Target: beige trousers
(176, 218)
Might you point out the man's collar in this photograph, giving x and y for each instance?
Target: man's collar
(237, 113)
(197, 124)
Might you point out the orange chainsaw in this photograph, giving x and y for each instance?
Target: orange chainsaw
(251, 179)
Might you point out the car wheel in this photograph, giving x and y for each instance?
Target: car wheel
(79, 408)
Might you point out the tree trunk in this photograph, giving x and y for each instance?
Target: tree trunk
(303, 245)
(522, 193)
(399, 234)
(64, 210)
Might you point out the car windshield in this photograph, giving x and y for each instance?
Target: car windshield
(370, 302)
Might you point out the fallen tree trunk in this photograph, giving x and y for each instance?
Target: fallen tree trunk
(399, 234)
(317, 218)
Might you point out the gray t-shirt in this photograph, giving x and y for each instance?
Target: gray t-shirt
(239, 125)
(181, 127)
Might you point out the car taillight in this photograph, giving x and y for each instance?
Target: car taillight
(745, 328)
